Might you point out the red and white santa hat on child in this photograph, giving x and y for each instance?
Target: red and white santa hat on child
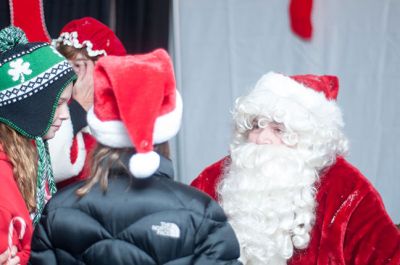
(136, 104)
(91, 34)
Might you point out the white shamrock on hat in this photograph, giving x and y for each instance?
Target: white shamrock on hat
(19, 69)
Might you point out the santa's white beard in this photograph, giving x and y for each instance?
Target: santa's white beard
(268, 196)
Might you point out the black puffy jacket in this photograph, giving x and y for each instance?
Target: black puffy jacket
(137, 221)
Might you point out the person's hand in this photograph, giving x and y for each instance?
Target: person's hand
(83, 88)
(14, 260)
(4, 257)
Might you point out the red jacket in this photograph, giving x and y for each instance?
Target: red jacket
(352, 226)
(13, 213)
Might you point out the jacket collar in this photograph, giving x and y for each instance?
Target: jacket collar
(165, 169)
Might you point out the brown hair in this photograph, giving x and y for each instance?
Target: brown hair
(23, 156)
(70, 52)
(103, 158)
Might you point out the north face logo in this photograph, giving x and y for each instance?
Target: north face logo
(167, 229)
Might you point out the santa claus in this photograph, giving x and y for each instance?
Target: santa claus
(288, 192)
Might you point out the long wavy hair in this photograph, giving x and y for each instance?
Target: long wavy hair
(104, 158)
(23, 156)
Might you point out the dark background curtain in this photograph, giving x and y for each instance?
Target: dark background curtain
(4, 13)
(142, 25)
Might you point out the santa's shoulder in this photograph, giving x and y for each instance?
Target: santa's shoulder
(209, 178)
(344, 178)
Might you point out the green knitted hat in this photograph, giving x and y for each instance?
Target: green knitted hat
(32, 79)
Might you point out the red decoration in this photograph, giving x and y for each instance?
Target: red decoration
(300, 18)
(28, 15)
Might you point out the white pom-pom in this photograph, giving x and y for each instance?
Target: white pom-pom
(143, 165)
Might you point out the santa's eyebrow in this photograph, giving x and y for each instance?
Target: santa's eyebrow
(278, 124)
(274, 123)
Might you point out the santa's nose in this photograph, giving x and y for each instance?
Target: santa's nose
(265, 137)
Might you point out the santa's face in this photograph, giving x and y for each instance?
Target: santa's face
(270, 133)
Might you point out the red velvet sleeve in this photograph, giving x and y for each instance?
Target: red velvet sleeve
(371, 237)
(208, 179)
(354, 225)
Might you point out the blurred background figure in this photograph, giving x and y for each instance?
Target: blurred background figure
(82, 42)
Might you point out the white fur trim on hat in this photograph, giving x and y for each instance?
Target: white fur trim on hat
(114, 133)
(143, 165)
(71, 39)
(274, 90)
(109, 133)
(285, 86)
(167, 126)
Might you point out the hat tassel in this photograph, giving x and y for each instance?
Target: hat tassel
(143, 165)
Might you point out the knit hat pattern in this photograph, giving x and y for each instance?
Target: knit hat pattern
(33, 77)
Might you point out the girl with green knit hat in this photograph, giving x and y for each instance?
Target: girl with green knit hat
(35, 87)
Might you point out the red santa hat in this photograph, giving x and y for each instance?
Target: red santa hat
(136, 104)
(308, 90)
(301, 100)
(328, 84)
(89, 33)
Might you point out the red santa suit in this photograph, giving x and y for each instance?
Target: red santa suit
(351, 227)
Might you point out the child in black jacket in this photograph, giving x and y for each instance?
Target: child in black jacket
(131, 211)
